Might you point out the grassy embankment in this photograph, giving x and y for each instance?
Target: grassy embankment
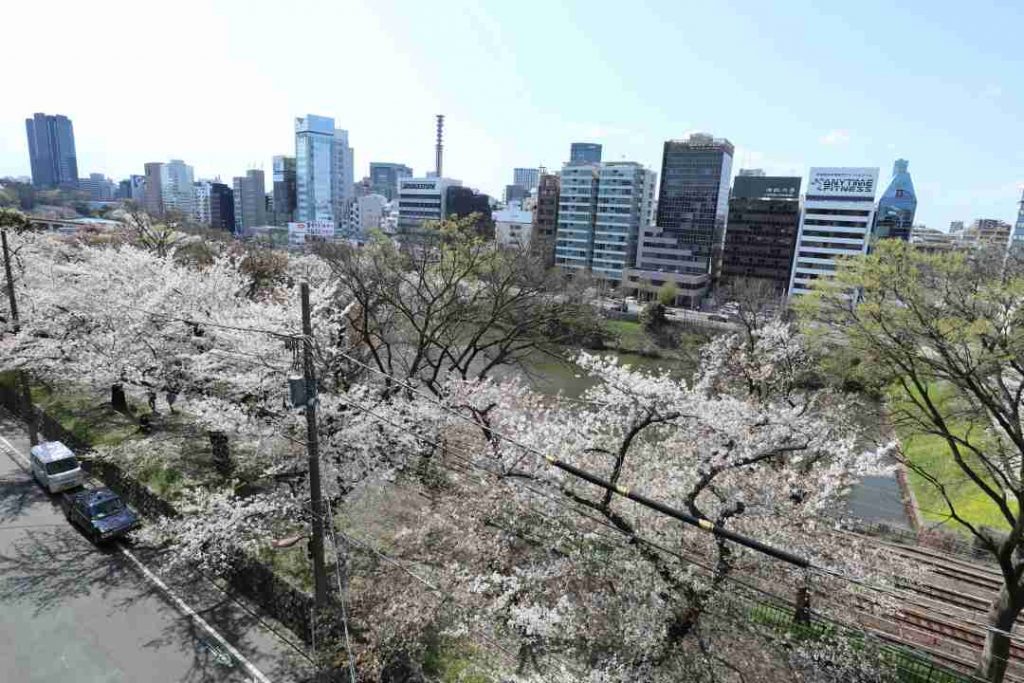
(932, 454)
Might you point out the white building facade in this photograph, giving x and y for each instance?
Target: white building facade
(421, 200)
(625, 201)
(176, 187)
(367, 214)
(602, 209)
(201, 202)
(577, 211)
(839, 211)
(513, 227)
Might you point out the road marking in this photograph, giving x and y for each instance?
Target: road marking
(191, 613)
(256, 674)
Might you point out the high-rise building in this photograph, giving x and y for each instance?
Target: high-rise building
(693, 202)
(250, 201)
(527, 178)
(602, 209)
(461, 202)
(577, 212)
(895, 214)
(314, 164)
(585, 153)
(421, 200)
(1017, 238)
(625, 200)
(344, 175)
(98, 186)
(838, 216)
(51, 151)
(169, 189)
(764, 219)
(284, 190)
(201, 201)
(684, 246)
(222, 207)
(545, 217)
(384, 177)
(176, 187)
(153, 201)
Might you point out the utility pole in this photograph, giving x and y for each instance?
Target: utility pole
(313, 449)
(10, 281)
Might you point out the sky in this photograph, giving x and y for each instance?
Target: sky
(219, 84)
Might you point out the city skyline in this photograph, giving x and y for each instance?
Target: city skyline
(955, 81)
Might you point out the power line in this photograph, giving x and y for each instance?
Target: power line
(625, 492)
(901, 595)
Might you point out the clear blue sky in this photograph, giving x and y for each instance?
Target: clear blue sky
(810, 83)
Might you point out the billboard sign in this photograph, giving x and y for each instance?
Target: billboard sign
(843, 182)
(297, 234)
(320, 228)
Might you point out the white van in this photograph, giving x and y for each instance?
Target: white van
(55, 467)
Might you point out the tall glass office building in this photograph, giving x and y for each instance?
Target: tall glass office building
(895, 215)
(51, 149)
(314, 163)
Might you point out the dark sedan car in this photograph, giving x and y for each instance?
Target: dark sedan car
(100, 513)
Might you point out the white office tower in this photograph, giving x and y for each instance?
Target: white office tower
(176, 188)
(201, 201)
(839, 210)
(421, 200)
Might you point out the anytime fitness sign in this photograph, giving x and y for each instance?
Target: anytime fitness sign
(843, 181)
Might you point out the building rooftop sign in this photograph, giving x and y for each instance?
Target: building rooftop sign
(843, 182)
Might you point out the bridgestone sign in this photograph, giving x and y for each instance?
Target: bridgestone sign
(843, 182)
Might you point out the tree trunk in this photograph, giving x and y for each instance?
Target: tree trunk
(117, 399)
(1001, 617)
(221, 453)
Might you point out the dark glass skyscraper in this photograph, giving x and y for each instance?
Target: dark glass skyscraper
(896, 208)
(222, 207)
(585, 153)
(694, 198)
(685, 245)
(284, 189)
(764, 219)
(51, 150)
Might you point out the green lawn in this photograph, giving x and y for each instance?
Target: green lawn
(630, 334)
(932, 453)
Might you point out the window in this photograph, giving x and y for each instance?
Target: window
(61, 466)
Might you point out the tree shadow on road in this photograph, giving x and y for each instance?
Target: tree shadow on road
(47, 566)
(212, 661)
(17, 493)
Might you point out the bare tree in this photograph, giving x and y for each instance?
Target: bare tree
(451, 304)
(159, 237)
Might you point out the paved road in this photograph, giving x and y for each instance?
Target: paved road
(72, 612)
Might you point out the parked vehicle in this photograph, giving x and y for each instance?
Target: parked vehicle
(100, 513)
(55, 467)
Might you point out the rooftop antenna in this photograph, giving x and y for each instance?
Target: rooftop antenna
(440, 146)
